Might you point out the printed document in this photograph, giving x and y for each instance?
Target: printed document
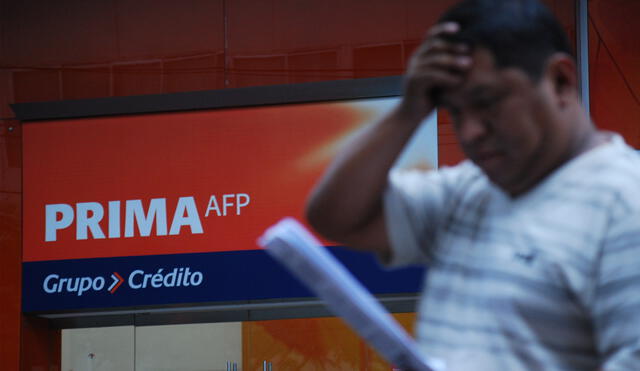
(292, 245)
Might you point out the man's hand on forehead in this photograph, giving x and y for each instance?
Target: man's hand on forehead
(438, 65)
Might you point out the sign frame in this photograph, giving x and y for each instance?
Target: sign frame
(400, 297)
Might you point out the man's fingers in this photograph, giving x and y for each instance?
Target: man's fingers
(439, 64)
(439, 81)
(441, 78)
(443, 28)
(445, 62)
(441, 46)
(437, 42)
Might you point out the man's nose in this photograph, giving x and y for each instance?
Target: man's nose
(471, 129)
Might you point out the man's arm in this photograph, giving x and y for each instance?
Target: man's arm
(617, 303)
(346, 205)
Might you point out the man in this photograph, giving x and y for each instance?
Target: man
(533, 244)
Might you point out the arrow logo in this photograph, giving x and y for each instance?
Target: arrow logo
(117, 281)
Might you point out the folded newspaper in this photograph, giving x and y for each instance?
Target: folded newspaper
(293, 246)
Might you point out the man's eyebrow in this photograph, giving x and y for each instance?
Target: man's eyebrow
(482, 90)
(485, 95)
(475, 93)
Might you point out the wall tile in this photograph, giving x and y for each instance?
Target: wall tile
(41, 32)
(194, 73)
(168, 28)
(137, 78)
(86, 82)
(36, 85)
(259, 70)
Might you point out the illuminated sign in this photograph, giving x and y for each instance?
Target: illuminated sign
(147, 209)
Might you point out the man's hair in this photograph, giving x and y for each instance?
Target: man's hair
(519, 33)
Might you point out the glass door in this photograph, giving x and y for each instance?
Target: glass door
(307, 344)
(191, 347)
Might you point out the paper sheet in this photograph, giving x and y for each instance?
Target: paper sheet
(293, 246)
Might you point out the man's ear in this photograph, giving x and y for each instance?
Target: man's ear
(561, 73)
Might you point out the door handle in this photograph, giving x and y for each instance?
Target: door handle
(232, 366)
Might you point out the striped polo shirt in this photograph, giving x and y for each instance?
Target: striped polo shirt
(549, 280)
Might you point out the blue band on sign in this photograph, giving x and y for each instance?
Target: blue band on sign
(159, 280)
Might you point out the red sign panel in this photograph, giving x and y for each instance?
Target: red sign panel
(174, 183)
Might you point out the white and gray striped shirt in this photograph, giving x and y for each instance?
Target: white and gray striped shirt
(549, 280)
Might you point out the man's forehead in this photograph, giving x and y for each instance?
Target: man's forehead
(484, 80)
(471, 92)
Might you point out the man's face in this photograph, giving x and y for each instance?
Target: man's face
(507, 124)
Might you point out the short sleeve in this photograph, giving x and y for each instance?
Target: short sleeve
(617, 296)
(414, 203)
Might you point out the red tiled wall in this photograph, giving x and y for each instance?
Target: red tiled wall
(614, 59)
(10, 253)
